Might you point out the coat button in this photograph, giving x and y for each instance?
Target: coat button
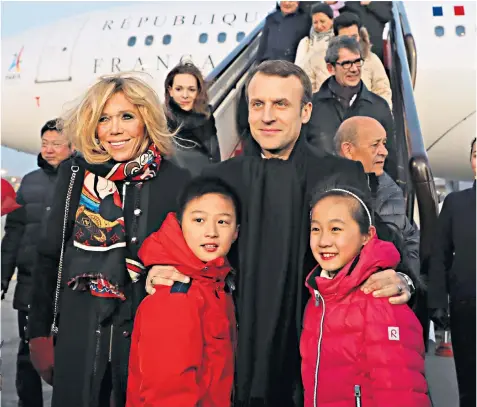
(134, 240)
(48, 208)
(137, 212)
(206, 268)
(126, 334)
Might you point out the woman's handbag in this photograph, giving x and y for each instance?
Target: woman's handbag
(42, 348)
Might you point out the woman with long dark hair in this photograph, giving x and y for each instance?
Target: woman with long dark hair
(189, 114)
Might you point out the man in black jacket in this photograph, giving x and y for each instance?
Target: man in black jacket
(373, 15)
(452, 282)
(344, 95)
(283, 31)
(275, 181)
(19, 248)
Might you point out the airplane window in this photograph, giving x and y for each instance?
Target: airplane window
(439, 30)
(240, 36)
(149, 40)
(460, 30)
(203, 38)
(221, 37)
(131, 41)
(166, 40)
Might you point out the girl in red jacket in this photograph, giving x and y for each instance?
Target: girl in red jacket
(354, 346)
(182, 350)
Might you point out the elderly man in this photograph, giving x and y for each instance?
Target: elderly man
(363, 139)
(344, 95)
(19, 248)
(275, 180)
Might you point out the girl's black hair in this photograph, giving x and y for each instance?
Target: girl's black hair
(358, 213)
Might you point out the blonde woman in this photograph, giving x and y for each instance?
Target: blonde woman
(116, 192)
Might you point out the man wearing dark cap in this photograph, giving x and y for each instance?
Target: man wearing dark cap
(22, 229)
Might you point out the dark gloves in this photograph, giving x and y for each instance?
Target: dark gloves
(440, 317)
(42, 357)
(4, 286)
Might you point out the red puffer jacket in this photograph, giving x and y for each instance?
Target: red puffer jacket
(182, 348)
(351, 338)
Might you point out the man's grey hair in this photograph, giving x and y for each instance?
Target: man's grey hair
(341, 42)
(283, 69)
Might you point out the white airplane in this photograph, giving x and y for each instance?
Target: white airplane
(445, 91)
(47, 68)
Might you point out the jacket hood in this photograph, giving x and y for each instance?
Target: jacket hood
(168, 247)
(45, 166)
(364, 42)
(376, 255)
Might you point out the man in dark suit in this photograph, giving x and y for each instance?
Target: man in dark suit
(283, 31)
(452, 282)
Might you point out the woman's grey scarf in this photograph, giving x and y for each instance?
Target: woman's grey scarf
(315, 36)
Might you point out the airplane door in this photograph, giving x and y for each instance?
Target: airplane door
(57, 53)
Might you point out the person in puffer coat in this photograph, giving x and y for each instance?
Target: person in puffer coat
(350, 338)
(391, 206)
(182, 349)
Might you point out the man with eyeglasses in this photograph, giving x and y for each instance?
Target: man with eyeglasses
(344, 95)
(22, 231)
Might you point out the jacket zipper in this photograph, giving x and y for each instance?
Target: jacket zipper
(96, 354)
(111, 343)
(315, 387)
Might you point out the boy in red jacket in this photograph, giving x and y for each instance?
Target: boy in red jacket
(354, 346)
(182, 350)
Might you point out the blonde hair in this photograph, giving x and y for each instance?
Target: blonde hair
(81, 121)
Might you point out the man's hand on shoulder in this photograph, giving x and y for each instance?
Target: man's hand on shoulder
(163, 275)
(390, 284)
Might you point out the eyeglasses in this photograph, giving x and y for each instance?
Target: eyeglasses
(358, 63)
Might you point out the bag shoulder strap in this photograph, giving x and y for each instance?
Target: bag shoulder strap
(74, 171)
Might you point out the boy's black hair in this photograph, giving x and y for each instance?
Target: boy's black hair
(359, 213)
(53, 125)
(472, 146)
(345, 20)
(203, 185)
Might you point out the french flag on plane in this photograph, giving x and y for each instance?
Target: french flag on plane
(438, 11)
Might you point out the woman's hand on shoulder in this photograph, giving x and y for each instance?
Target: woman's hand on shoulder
(163, 275)
(390, 284)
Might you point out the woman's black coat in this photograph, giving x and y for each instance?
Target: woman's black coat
(82, 350)
(197, 145)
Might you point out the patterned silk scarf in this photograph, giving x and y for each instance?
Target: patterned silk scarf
(99, 231)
